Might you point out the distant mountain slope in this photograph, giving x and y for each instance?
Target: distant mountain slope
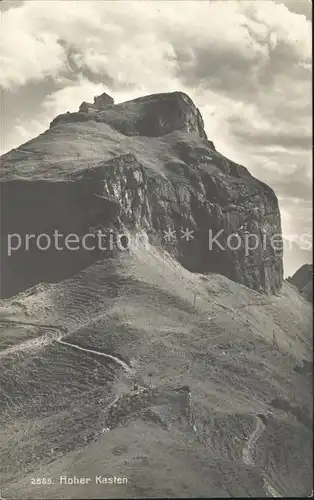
(303, 280)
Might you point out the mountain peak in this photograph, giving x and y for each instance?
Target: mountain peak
(152, 115)
(142, 165)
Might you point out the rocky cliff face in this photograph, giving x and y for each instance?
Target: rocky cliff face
(303, 281)
(142, 166)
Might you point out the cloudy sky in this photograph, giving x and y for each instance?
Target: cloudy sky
(246, 64)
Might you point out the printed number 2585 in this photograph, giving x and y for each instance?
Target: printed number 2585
(41, 480)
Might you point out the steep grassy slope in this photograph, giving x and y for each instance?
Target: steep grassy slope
(236, 350)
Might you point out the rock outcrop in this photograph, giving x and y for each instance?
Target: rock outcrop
(149, 116)
(303, 281)
(143, 165)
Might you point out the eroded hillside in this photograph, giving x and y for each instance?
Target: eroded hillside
(73, 410)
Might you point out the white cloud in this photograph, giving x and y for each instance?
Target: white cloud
(131, 43)
(42, 55)
(70, 97)
(24, 133)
